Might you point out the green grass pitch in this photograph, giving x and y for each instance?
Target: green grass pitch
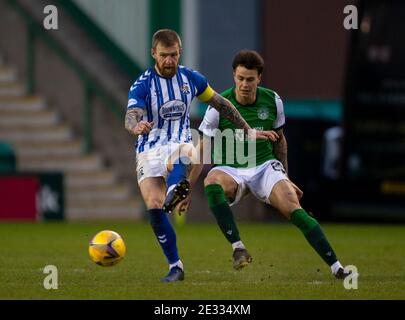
(284, 266)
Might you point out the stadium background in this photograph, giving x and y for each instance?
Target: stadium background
(82, 71)
(73, 82)
(65, 155)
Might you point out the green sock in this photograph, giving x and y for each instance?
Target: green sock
(222, 212)
(314, 235)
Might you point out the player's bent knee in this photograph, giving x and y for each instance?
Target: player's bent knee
(211, 179)
(287, 206)
(188, 151)
(290, 208)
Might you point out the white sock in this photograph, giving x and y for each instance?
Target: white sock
(177, 264)
(335, 267)
(238, 245)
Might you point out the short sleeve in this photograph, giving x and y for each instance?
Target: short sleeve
(204, 92)
(137, 94)
(210, 122)
(280, 120)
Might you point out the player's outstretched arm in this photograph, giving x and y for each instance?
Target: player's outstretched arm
(134, 123)
(227, 110)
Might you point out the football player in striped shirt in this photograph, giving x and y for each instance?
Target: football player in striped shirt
(158, 114)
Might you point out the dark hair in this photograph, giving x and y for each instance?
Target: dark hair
(249, 59)
(166, 37)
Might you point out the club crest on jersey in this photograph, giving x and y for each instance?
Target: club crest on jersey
(263, 113)
(172, 110)
(184, 89)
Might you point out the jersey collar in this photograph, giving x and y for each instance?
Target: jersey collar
(245, 105)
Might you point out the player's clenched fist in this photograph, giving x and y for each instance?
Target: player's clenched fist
(142, 127)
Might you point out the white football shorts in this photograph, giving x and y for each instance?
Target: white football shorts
(153, 163)
(259, 180)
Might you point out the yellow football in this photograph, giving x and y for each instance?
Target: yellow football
(107, 248)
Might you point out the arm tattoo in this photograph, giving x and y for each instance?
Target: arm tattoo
(227, 110)
(132, 117)
(280, 150)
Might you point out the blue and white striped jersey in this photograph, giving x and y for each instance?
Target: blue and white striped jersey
(166, 102)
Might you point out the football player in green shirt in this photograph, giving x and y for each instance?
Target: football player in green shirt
(264, 173)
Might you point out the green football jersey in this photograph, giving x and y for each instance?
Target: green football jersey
(266, 113)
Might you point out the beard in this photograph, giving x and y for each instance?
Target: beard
(167, 72)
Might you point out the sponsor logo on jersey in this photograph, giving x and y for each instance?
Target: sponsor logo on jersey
(172, 110)
(263, 113)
